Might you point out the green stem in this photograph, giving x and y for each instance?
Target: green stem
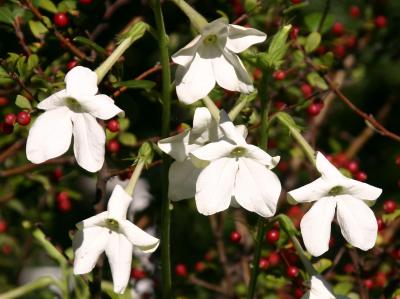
(197, 20)
(40, 283)
(165, 131)
(134, 178)
(309, 151)
(265, 106)
(324, 14)
(212, 108)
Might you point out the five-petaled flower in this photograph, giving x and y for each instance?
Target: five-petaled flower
(109, 231)
(211, 57)
(335, 192)
(235, 173)
(72, 111)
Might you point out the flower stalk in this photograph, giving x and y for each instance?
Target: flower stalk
(212, 108)
(197, 20)
(25, 289)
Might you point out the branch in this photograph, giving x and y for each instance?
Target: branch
(196, 281)
(356, 262)
(12, 149)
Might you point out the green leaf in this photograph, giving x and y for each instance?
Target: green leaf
(37, 28)
(343, 288)
(136, 84)
(123, 124)
(322, 264)
(47, 5)
(67, 6)
(33, 62)
(277, 49)
(22, 66)
(127, 139)
(23, 102)
(17, 206)
(312, 42)
(4, 77)
(250, 5)
(316, 80)
(312, 22)
(85, 41)
(6, 15)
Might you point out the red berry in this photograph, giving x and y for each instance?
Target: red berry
(6, 249)
(338, 29)
(339, 51)
(257, 74)
(368, 283)
(6, 128)
(200, 266)
(181, 270)
(381, 224)
(351, 41)
(138, 274)
(298, 293)
(272, 236)
(61, 19)
(389, 206)
(380, 279)
(263, 263)
(57, 174)
(71, 64)
(349, 268)
(292, 271)
(113, 146)
(64, 206)
(296, 1)
(23, 118)
(321, 50)
(113, 125)
(380, 21)
(340, 160)
(10, 119)
(361, 176)
(218, 103)
(3, 101)
(3, 226)
(274, 258)
(85, 2)
(307, 90)
(235, 236)
(354, 11)
(62, 196)
(294, 32)
(352, 166)
(279, 75)
(313, 109)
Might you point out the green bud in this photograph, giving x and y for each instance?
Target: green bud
(146, 153)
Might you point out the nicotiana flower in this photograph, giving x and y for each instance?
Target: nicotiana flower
(109, 231)
(72, 111)
(182, 173)
(236, 172)
(211, 57)
(320, 289)
(335, 192)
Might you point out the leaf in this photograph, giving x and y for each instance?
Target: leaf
(343, 288)
(322, 264)
(17, 206)
(312, 22)
(37, 28)
(4, 77)
(67, 5)
(287, 224)
(250, 5)
(47, 5)
(135, 32)
(136, 84)
(6, 15)
(312, 42)
(23, 102)
(277, 49)
(316, 80)
(33, 61)
(85, 41)
(22, 66)
(127, 139)
(123, 124)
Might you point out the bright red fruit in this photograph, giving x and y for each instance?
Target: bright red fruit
(10, 119)
(138, 274)
(274, 258)
(181, 270)
(353, 167)
(3, 226)
(71, 64)
(307, 90)
(361, 176)
(3, 101)
(23, 118)
(61, 19)
(272, 236)
(380, 21)
(113, 146)
(339, 51)
(389, 206)
(298, 293)
(292, 271)
(381, 224)
(62, 196)
(113, 125)
(279, 75)
(354, 11)
(263, 263)
(235, 236)
(368, 283)
(313, 110)
(338, 29)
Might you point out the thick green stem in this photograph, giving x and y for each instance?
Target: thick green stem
(212, 108)
(165, 130)
(134, 178)
(265, 106)
(197, 20)
(28, 288)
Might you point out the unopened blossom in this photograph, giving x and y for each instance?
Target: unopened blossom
(72, 111)
(320, 289)
(333, 192)
(109, 231)
(211, 57)
(182, 173)
(236, 173)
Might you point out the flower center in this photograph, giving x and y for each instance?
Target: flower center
(210, 39)
(112, 224)
(337, 190)
(238, 152)
(73, 104)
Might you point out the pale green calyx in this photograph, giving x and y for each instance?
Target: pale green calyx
(238, 152)
(337, 190)
(146, 153)
(210, 39)
(73, 104)
(112, 224)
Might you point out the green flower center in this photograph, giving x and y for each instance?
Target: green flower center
(210, 39)
(337, 190)
(238, 152)
(112, 224)
(73, 104)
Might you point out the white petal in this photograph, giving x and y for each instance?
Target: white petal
(320, 289)
(139, 238)
(119, 253)
(214, 187)
(100, 106)
(229, 130)
(54, 101)
(327, 170)
(81, 81)
(257, 188)
(210, 152)
(185, 55)
(197, 79)
(118, 203)
(89, 140)
(97, 219)
(357, 222)
(218, 27)
(205, 128)
(230, 73)
(316, 225)
(240, 38)
(242, 130)
(88, 244)
(182, 180)
(50, 135)
(176, 146)
(362, 190)
(255, 153)
(311, 192)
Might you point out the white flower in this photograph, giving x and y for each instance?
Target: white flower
(182, 173)
(109, 231)
(320, 289)
(211, 57)
(72, 111)
(235, 173)
(333, 191)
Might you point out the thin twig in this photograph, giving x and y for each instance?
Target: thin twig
(20, 35)
(356, 262)
(12, 149)
(324, 14)
(212, 287)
